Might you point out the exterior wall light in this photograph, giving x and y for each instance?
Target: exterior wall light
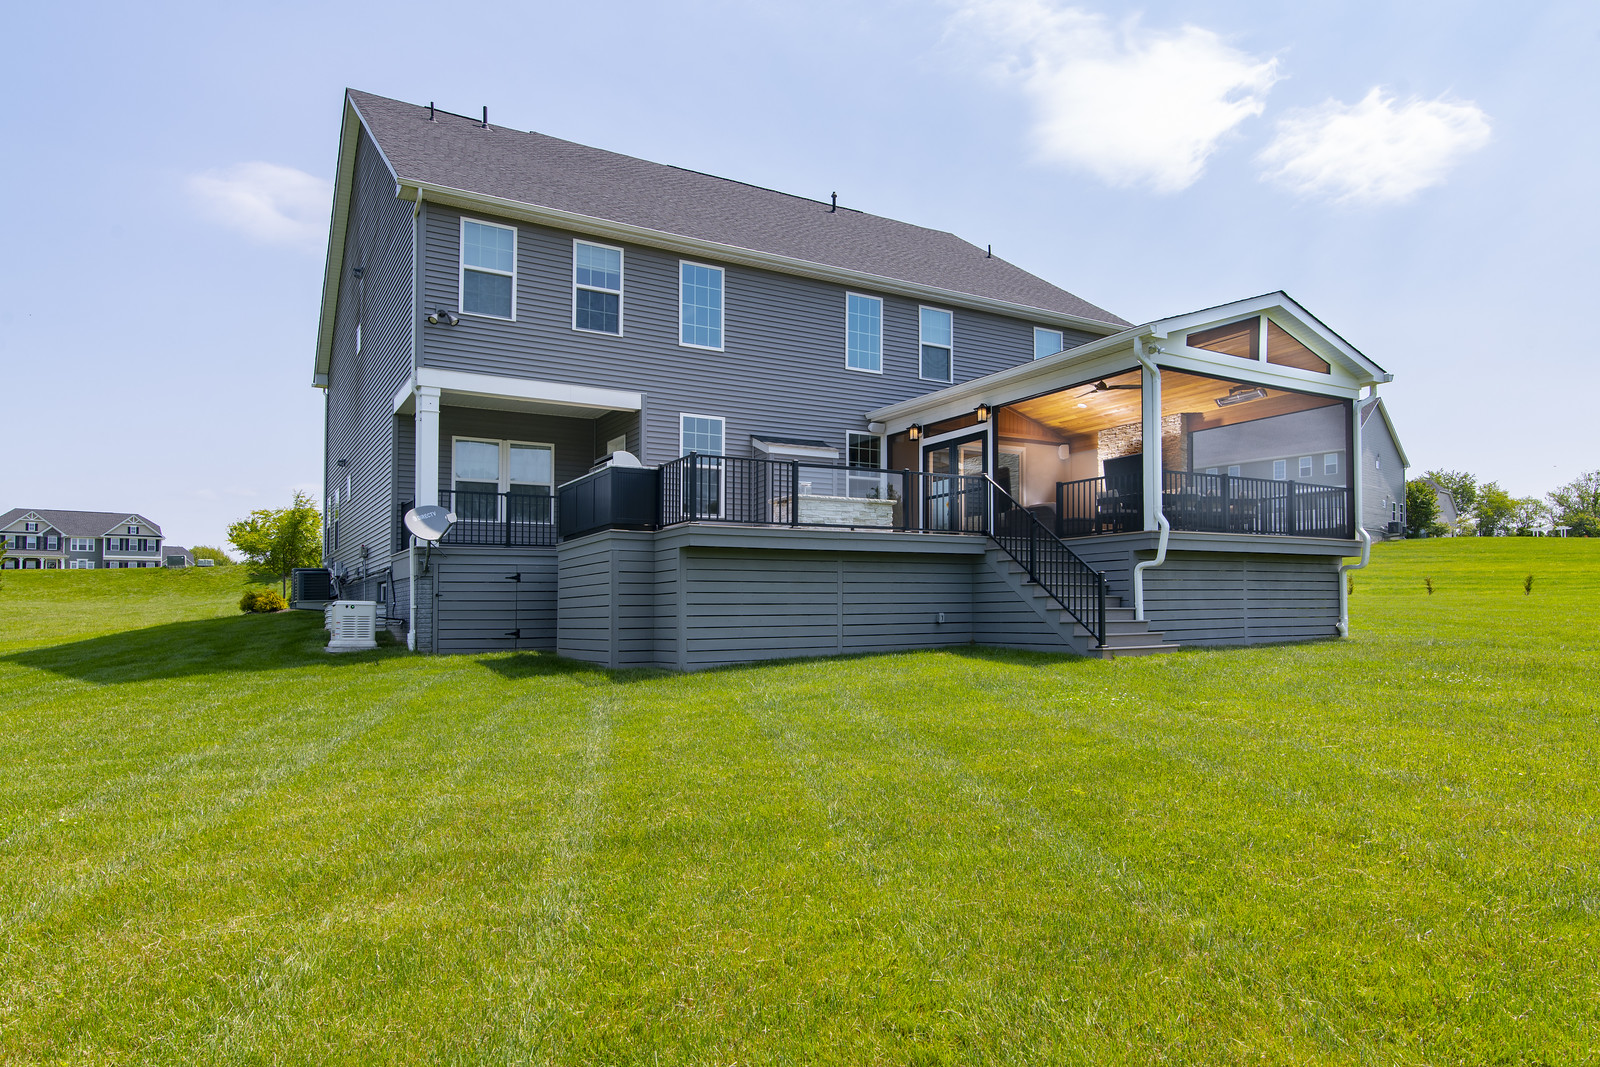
(914, 431)
(983, 412)
(441, 316)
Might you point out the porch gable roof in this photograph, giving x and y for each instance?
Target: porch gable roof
(1096, 357)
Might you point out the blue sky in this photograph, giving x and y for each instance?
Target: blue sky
(1420, 175)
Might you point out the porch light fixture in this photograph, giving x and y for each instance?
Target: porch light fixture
(439, 315)
(914, 431)
(983, 412)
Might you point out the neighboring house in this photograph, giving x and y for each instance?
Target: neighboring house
(1449, 513)
(1383, 498)
(177, 556)
(78, 540)
(855, 433)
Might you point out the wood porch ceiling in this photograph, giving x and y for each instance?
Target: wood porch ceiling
(1082, 409)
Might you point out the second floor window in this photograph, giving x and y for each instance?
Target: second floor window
(1046, 342)
(936, 363)
(700, 305)
(597, 288)
(82, 544)
(863, 326)
(488, 269)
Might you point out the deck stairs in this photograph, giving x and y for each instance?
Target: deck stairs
(1125, 635)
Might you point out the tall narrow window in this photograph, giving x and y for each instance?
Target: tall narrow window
(530, 482)
(700, 305)
(936, 363)
(1280, 469)
(863, 325)
(476, 480)
(597, 288)
(701, 488)
(488, 269)
(1046, 342)
(1305, 466)
(1330, 463)
(864, 452)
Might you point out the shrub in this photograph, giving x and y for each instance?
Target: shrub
(262, 601)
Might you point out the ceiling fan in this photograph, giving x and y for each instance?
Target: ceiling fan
(1102, 387)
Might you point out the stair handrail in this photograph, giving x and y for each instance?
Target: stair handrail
(1089, 611)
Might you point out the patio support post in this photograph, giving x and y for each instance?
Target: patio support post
(1150, 396)
(1357, 466)
(427, 445)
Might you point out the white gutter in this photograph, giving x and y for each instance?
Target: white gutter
(1161, 520)
(1344, 588)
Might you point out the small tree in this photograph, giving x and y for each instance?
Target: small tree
(216, 555)
(1577, 504)
(1422, 509)
(1495, 509)
(1528, 512)
(276, 541)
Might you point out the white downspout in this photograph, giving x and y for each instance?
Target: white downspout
(1344, 588)
(1161, 519)
(416, 358)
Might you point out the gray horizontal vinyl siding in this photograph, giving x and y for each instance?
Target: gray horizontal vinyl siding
(362, 380)
(782, 370)
(1211, 599)
(1383, 477)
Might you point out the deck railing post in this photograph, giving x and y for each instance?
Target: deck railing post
(794, 493)
(905, 498)
(1293, 520)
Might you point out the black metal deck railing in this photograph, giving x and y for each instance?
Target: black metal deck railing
(1050, 562)
(773, 492)
(1206, 503)
(510, 519)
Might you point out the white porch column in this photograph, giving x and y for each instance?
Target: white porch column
(1357, 468)
(1150, 412)
(427, 458)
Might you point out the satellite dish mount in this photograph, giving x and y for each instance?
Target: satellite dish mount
(429, 523)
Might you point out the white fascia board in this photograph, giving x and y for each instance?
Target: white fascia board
(584, 396)
(344, 183)
(1272, 375)
(1288, 313)
(1013, 383)
(621, 231)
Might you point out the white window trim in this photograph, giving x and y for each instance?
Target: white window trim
(695, 415)
(1327, 467)
(1307, 467)
(722, 326)
(951, 348)
(1280, 465)
(620, 290)
(858, 475)
(879, 301)
(1037, 330)
(461, 272)
(504, 475)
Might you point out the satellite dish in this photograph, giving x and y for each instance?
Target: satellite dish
(430, 522)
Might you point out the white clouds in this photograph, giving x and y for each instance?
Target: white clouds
(1130, 105)
(1374, 151)
(267, 202)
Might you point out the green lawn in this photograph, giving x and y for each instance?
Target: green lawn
(219, 844)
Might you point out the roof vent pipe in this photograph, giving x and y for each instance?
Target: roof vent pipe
(990, 253)
(835, 206)
(486, 116)
(430, 110)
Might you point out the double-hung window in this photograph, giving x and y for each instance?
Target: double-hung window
(1305, 466)
(702, 482)
(1330, 463)
(864, 452)
(863, 331)
(82, 544)
(596, 288)
(1046, 342)
(936, 341)
(488, 269)
(1280, 469)
(502, 480)
(699, 305)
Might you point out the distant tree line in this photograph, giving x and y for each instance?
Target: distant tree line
(1486, 509)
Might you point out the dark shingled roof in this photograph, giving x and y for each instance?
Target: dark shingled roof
(457, 153)
(80, 523)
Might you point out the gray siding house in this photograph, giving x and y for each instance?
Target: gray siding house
(828, 431)
(46, 539)
(1383, 505)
